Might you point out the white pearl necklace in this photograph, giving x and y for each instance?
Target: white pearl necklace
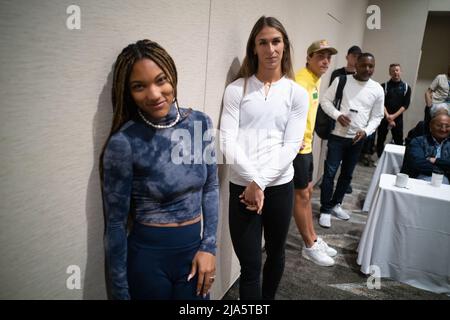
(160, 126)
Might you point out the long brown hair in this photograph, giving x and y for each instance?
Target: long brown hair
(250, 64)
(124, 107)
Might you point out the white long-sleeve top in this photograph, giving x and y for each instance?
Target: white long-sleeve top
(261, 135)
(364, 97)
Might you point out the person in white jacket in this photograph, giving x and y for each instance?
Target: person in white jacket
(261, 131)
(360, 114)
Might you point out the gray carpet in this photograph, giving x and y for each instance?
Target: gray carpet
(303, 280)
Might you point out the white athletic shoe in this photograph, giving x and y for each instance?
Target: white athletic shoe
(316, 255)
(325, 248)
(325, 220)
(340, 213)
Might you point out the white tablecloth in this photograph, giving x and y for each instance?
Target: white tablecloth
(390, 162)
(407, 234)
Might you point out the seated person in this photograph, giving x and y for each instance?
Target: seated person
(431, 112)
(430, 152)
(422, 127)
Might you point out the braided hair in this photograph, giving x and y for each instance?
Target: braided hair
(124, 107)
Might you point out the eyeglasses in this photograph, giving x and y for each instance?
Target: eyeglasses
(441, 126)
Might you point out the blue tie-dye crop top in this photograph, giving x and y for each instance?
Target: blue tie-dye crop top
(159, 176)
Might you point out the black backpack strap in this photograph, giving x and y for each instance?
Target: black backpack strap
(340, 91)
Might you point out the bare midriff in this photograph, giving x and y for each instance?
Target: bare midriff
(173, 224)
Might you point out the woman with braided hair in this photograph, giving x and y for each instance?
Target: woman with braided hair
(165, 255)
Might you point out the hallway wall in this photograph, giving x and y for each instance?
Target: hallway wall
(435, 59)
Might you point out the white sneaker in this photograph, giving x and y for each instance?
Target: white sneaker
(325, 220)
(316, 255)
(325, 248)
(340, 213)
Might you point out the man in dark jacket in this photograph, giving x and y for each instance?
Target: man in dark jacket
(431, 152)
(396, 101)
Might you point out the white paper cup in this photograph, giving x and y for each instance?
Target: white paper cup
(402, 180)
(436, 179)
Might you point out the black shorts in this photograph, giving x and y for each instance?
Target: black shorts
(303, 170)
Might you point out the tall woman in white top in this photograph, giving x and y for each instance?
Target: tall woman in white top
(262, 127)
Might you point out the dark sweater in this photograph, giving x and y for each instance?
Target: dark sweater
(397, 95)
(416, 154)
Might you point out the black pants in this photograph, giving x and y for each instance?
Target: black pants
(369, 144)
(159, 262)
(397, 134)
(246, 234)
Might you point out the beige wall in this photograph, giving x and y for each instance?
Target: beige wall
(435, 58)
(439, 5)
(56, 113)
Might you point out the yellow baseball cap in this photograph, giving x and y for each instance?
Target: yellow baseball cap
(320, 45)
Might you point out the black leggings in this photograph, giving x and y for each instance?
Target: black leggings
(246, 233)
(159, 262)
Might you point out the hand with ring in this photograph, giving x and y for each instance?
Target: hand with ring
(205, 264)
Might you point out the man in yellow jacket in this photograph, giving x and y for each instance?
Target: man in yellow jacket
(317, 62)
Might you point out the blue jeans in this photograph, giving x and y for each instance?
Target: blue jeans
(339, 149)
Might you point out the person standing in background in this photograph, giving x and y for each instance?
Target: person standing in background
(397, 96)
(352, 57)
(360, 114)
(315, 249)
(439, 90)
(437, 93)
